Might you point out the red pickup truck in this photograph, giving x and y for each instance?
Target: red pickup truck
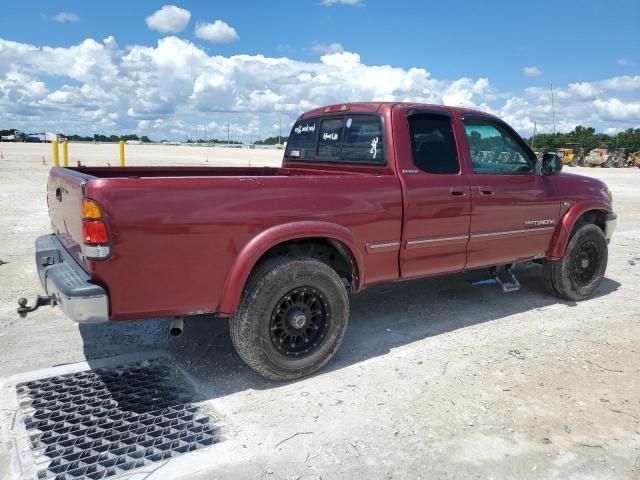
(368, 193)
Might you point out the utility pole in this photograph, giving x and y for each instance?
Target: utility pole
(228, 134)
(280, 131)
(206, 138)
(553, 117)
(533, 139)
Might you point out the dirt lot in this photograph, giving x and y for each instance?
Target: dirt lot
(436, 378)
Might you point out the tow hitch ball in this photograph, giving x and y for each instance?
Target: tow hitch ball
(23, 309)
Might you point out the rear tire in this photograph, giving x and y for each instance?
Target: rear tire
(292, 318)
(580, 271)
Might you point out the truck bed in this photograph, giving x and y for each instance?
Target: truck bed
(183, 227)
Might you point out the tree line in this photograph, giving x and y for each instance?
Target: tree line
(145, 139)
(587, 138)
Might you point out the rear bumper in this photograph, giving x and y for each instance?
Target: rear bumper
(66, 282)
(610, 223)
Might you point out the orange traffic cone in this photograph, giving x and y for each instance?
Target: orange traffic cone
(44, 161)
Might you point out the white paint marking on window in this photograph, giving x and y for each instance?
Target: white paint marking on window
(374, 147)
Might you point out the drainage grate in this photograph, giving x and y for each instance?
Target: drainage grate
(106, 422)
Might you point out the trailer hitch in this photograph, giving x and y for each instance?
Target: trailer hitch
(23, 309)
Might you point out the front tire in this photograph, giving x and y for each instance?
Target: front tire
(292, 318)
(580, 271)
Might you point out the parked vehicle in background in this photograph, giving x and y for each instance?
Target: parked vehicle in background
(368, 193)
(569, 154)
(634, 159)
(619, 158)
(600, 157)
(17, 136)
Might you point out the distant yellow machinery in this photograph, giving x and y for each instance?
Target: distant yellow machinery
(600, 156)
(570, 154)
(634, 159)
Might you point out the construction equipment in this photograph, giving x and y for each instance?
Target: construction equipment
(600, 156)
(633, 160)
(619, 157)
(569, 154)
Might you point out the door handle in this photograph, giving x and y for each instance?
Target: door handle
(486, 191)
(457, 192)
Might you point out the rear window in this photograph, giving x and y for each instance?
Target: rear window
(330, 141)
(302, 140)
(343, 139)
(362, 140)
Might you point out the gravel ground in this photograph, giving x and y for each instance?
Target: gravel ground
(436, 378)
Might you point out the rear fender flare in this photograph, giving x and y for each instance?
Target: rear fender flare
(261, 243)
(568, 221)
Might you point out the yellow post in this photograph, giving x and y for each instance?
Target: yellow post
(65, 154)
(56, 159)
(122, 153)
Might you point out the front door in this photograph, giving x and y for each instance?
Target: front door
(514, 210)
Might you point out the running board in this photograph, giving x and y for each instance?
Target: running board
(505, 278)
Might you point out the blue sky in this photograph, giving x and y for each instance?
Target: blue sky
(566, 43)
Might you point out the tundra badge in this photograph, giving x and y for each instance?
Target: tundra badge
(538, 223)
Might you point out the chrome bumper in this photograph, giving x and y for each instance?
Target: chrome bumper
(68, 284)
(610, 222)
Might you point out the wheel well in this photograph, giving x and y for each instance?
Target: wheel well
(329, 251)
(596, 217)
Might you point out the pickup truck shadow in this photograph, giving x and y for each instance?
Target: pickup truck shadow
(382, 318)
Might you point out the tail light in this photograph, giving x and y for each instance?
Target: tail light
(95, 235)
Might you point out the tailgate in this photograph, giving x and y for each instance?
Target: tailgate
(64, 197)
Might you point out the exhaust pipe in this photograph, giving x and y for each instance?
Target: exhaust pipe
(176, 326)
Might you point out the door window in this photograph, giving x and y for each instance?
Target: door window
(432, 144)
(496, 151)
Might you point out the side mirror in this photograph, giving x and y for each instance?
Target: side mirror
(551, 164)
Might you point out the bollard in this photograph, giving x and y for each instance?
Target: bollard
(65, 154)
(56, 159)
(122, 153)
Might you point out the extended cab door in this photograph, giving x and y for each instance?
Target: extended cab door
(436, 194)
(514, 210)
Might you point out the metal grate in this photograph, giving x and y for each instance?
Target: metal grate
(105, 422)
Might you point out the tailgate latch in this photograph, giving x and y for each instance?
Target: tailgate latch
(23, 309)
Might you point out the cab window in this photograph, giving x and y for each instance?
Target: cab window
(494, 150)
(330, 139)
(363, 142)
(301, 144)
(356, 138)
(432, 144)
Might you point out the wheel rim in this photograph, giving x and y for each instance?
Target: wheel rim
(586, 263)
(299, 322)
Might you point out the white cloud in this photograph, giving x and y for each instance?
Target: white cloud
(216, 32)
(353, 3)
(531, 71)
(63, 17)
(165, 90)
(625, 62)
(169, 19)
(326, 48)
